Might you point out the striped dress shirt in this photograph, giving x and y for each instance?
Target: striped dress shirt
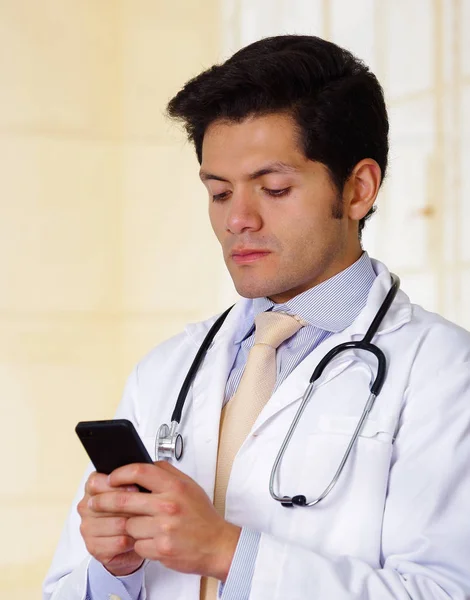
(327, 308)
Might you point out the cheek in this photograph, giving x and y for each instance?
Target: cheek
(310, 221)
(306, 240)
(216, 221)
(298, 232)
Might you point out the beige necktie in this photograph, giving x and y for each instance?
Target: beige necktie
(240, 413)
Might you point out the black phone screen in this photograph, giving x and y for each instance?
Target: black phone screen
(112, 444)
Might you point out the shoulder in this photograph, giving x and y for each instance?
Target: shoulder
(438, 335)
(185, 342)
(182, 348)
(421, 330)
(441, 350)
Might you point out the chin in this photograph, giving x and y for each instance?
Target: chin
(255, 289)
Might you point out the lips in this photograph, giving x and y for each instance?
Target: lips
(248, 255)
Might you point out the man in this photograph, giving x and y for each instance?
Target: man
(291, 134)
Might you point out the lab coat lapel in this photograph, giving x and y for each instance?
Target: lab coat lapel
(208, 393)
(294, 386)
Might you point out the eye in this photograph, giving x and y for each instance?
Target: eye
(277, 193)
(220, 197)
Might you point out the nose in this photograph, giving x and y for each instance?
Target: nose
(243, 213)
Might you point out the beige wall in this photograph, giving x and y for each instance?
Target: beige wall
(103, 236)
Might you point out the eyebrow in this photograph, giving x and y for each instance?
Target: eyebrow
(274, 167)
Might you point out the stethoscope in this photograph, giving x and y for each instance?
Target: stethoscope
(169, 443)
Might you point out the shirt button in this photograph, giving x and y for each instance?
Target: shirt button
(114, 597)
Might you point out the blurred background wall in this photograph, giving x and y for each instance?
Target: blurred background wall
(103, 236)
(105, 247)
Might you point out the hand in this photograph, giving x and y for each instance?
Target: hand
(176, 524)
(105, 534)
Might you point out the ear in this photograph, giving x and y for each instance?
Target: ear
(361, 188)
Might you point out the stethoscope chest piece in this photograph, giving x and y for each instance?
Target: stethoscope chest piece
(169, 443)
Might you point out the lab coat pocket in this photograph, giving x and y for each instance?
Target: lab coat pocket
(348, 520)
(331, 424)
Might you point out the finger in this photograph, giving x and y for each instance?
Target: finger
(146, 548)
(104, 527)
(105, 548)
(126, 503)
(98, 483)
(142, 528)
(85, 508)
(152, 477)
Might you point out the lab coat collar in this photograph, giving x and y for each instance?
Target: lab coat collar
(229, 330)
(398, 314)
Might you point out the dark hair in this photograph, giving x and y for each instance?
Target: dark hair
(337, 103)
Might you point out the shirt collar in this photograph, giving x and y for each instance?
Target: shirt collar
(331, 305)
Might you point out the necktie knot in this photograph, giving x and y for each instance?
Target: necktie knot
(273, 328)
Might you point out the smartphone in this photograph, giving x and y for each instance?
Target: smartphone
(112, 444)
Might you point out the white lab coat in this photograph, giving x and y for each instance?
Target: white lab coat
(396, 526)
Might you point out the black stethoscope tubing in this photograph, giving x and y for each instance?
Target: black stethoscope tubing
(365, 343)
(201, 353)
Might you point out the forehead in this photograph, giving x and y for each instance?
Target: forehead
(255, 140)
